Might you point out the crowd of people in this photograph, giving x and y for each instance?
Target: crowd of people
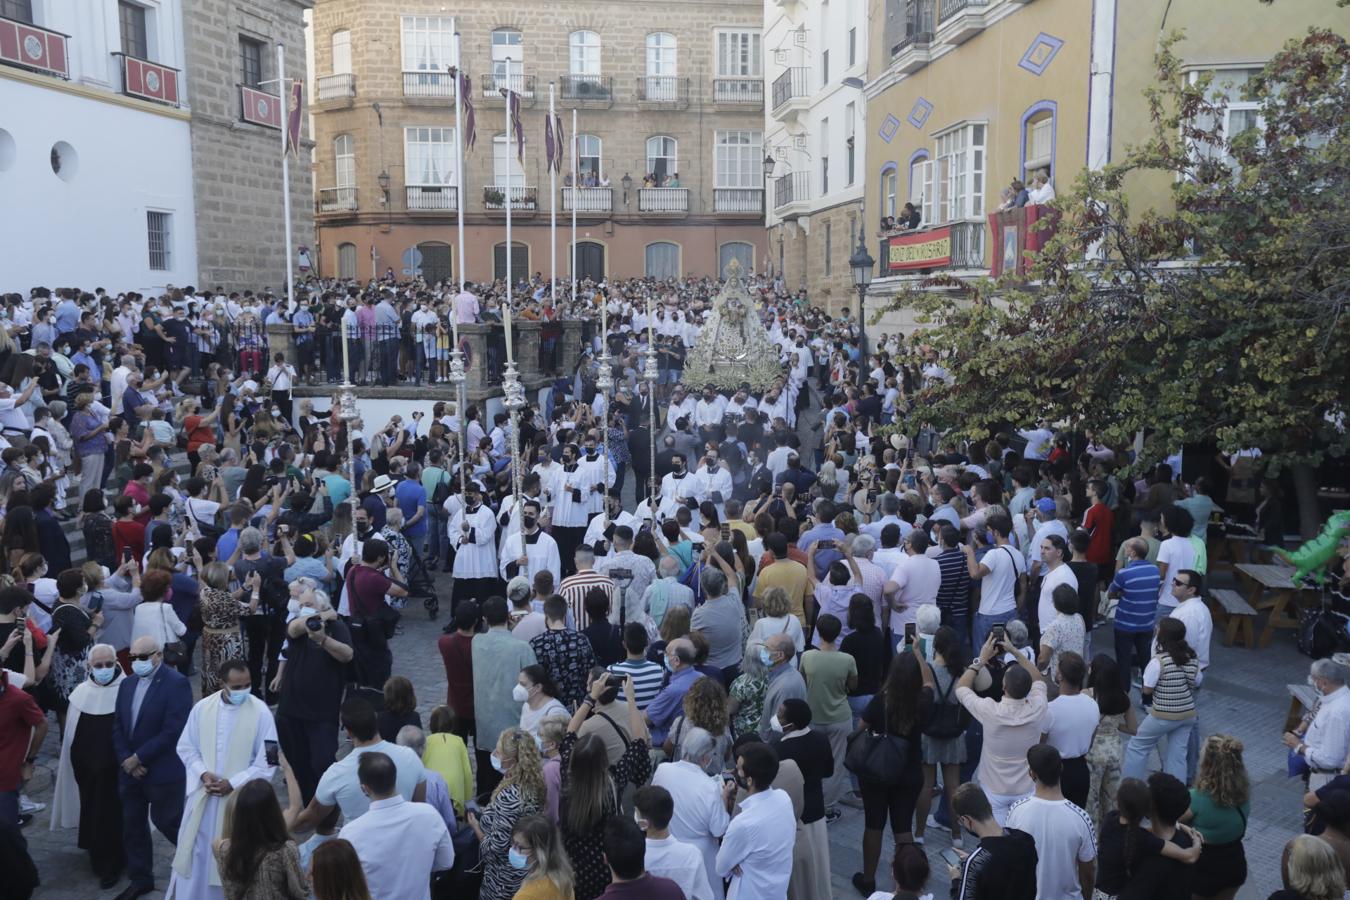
(673, 695)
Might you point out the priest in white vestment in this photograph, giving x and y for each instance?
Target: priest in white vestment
(677, 488)
(225, 744)
(598, 475)
(473, 534)
(530, 551)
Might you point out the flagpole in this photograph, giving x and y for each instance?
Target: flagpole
(506, 148)
(459, 166)
(284, 89)
(553, 208)
(576, 180)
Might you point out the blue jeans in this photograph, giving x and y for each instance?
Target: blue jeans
(438, 542)
(985, 624)
(1153, 730)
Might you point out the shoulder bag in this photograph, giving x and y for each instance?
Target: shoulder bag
(175, 651)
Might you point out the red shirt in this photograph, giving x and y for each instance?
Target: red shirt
(19, 715)
(457, 654)
(1098, 523)
(129, 533)
(366, 590)
(198, 435)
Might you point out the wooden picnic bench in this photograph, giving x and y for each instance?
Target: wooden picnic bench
(1283, 594)
(1236, 616)
(1302, 699)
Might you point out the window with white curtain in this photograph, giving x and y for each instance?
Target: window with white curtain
(1240, 114)
(344, 161)
(1040, 130)
(663, 260)
(584, 50)
(738, 54)
(738, 159)
(506, 167)
(342, 52)
(889, 180)
(662, 156)
(661, 54)
(428, 43)
(428, 156)
(960, 171)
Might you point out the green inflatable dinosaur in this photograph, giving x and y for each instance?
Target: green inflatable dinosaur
(1313, 557)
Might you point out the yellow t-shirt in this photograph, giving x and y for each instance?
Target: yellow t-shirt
(541, 889)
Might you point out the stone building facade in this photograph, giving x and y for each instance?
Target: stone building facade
(236, 163)
(665, 88)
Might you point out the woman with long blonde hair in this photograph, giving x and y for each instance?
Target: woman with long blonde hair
(536, 849)
(520, 793)
(1220, 806)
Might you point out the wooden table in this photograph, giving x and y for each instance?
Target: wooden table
(1237, 548)
(1283, 593)
(1302, 698)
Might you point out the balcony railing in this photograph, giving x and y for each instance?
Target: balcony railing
(588, 88)
(522, 197)
(437, 197)
(663, 89)
(918, 25)
(793, 187)
(588, 199)
(434, 85)
(148, 80)
(790, 85)
(949, 8)
(493, 85)
(663, 200)
(337, 199)
(748, 91)
(341, 86)
(34, 48)
(738, 200)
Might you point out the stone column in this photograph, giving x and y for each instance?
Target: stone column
(527, 337)
(474, 340)
(571, 345)
(280, 339)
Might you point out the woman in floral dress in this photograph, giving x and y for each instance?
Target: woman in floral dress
(222, 638)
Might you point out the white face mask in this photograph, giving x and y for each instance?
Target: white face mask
(775, 724)
(520, 693)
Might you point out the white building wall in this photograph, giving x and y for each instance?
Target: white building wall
(87, 227)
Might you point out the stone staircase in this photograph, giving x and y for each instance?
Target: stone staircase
(177, 461)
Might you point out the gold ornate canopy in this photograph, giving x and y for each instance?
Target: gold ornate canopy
(733, 348)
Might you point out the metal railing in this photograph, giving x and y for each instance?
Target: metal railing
(337, 199)
(738, 90)
(662, 89)
(440, 85)
(949, 8)
(148, 80)
(738, 200)
(918, 25)
(523, 197)
(493, 85)
(341, 86)
(588, 199)
(583, 88)
(967, 243)
(433, 197)
(791, 84)
(34, 48)
(793, 187)
(663, 200)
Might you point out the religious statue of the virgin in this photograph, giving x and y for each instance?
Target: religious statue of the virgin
(733, 347)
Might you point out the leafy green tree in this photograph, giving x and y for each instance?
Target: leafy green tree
(1221, 318)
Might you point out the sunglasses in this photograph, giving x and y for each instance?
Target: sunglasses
(144, 656)
(1179, 583)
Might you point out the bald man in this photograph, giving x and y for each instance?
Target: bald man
(785, 682)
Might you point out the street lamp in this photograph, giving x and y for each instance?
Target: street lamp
(862, 263)
(769, 163)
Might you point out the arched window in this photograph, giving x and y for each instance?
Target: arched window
(588, 156)
(663, 260)
(520, 260)
(663, 157)
(508, 59)
(591, 260)
(890, 178)
(1038, 139)
(584, 49)
(342, 52)
(346, 260)
(738, 250)
(661, 51)
(344, 162)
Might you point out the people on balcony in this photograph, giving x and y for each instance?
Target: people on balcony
(1042, 191)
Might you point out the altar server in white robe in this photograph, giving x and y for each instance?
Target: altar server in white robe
(530, 551)
(225, 744)
(473, 534)
(601, 529)
(716, 484)
(508, 519)
(678, 487)
(598, 475)
(570, 511)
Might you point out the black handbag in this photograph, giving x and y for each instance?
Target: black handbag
(175, 652)
(882, 758)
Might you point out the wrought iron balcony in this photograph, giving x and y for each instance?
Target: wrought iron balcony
(793, 84)
(588, 199)
(429, 85)
(337, 199)
(597, 89)
(493, 85)
(432, 197)
(740, 92)
(667, 201)
(341, 86)
(523, 198)
(794, 187)
(663, 90)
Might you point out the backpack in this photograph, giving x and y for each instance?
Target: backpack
(1322, 632)
(441, 492)
(950, 719)
(692, 580)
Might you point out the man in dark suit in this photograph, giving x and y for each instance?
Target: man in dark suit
(665, 457)
(152, 708)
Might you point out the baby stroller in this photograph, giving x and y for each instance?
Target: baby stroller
(422, 584)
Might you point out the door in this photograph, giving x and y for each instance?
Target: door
(520, 261)
(436, 262)
(591, 260)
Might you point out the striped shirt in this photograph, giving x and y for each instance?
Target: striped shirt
(1138, 584)
(647, 678)
(1173, 687)
(953, 596)
(574, 589)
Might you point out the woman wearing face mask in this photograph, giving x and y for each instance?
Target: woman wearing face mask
(537, 694)
(155, 616)
(221, 637)
(72, 629)
(520, 793)
(537, 850)
(86, 781)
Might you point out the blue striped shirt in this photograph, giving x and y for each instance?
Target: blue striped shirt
(1138, 584)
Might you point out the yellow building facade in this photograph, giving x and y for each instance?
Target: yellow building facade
(964, 96)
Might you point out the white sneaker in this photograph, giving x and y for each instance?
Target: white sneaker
(29, 807)
(934, 823)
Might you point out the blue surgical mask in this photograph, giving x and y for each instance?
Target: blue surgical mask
(104, 676)
(142, 667)
(766, 657)
(239, 697)
(517, 859)
(497, 763)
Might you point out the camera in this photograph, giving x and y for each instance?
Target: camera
(314, 623)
